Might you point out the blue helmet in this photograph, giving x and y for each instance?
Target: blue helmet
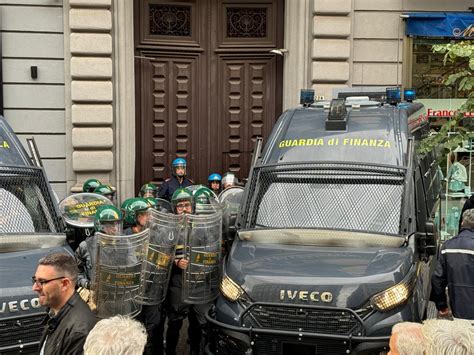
(179, 161)
(214, 177)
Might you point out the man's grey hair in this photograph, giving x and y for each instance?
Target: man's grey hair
(409, 339)
(445, 337)
(118, 335)
(468, 219)
(62, 263)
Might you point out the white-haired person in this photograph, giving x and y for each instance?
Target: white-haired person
(433, 337)
(117, 335)
(448, 337)
(407, 339)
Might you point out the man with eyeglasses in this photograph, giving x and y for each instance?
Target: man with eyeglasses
(69, 319)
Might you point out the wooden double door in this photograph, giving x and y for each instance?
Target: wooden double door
(207, 84)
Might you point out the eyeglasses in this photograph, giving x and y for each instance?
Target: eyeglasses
(41, 283)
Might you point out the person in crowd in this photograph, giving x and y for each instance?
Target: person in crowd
(90, 185)
(178, 180)
(446, 337)
(176, 310)
(149, 190)
(107, 191)
(229, 179)
(108, 220)
(469, 204)
(433, 337)
(69, 319)
(214, 182)
(136, 216)
(407, 339)
(455, 271)
(117, 335)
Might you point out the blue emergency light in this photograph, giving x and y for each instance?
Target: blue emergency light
(393, 95)
(306, 97)
(409, 94)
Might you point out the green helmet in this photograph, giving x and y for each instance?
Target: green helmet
(179, 199)
(105, 190)
(108, 220)
(132, 207)
(205, 201)
(152, 201)
(90, 185)
(149, 190)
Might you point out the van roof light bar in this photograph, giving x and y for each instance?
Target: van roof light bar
(393, 95)
(337, 117)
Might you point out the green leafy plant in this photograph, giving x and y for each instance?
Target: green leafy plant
(452, 133)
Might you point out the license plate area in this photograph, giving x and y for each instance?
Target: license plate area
(298, 348)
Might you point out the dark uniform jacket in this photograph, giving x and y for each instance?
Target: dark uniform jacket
(455, 270)
(170, 185)
(84, 264)
(66, 332)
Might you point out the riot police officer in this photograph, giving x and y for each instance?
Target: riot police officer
(229, 179)
(90, 185)
(107, 191)
(108, 220)
(214, 182)
(178, 180)
(184, 202)
(136, 215)
(149, 190)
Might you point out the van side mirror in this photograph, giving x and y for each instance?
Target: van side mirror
(426, 241)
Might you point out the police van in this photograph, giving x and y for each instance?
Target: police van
(30, 228)
(337, 233)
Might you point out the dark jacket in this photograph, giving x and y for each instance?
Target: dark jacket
(170, 185)
(455, 270)
(469, 204)
(67, 331)
(84, 264)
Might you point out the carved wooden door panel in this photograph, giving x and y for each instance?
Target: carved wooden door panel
(206, 83)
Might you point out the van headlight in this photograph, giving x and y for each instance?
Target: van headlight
(395, 295)
(230, 290)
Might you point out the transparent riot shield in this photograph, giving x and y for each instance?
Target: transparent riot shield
(78, 212)
(203, 250)
(161, 252)
(118, 279)
(230, 199)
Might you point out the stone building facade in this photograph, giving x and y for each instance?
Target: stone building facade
(81, 109)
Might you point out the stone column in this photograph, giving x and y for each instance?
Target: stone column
(91, 90)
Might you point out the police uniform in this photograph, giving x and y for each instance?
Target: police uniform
(177, 311)
(170, 185)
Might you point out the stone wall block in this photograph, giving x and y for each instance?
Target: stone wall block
(90, 3)
(339, 49)
(85, 115)
(91, 68)
(91, 43)
(332, 7)
(90, 20)
(92, 138)
(91, 91)
(333, 72)
(326, 90)
(332, 26)
(94, 161)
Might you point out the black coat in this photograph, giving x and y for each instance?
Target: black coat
(67, 331)
(455, 270)
(170, 185)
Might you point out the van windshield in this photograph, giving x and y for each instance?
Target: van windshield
(26, 206)
(328, 198)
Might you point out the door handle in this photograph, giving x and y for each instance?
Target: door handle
(279, 51)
